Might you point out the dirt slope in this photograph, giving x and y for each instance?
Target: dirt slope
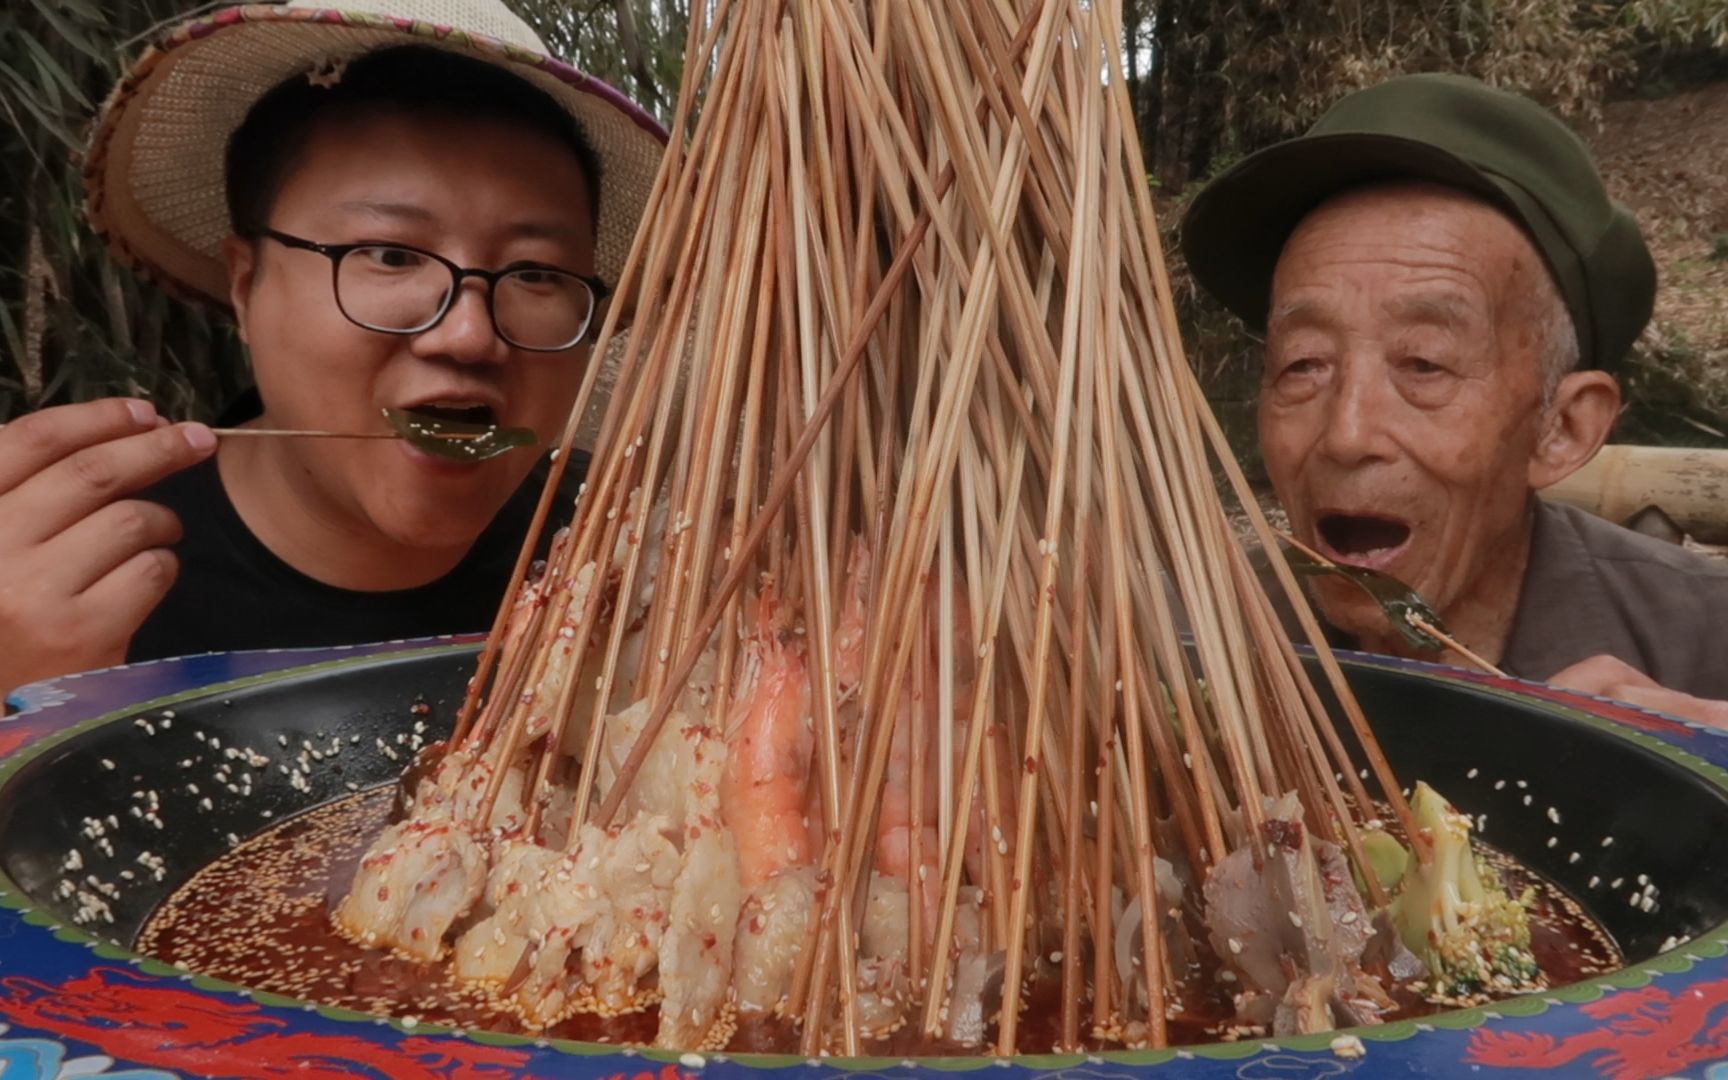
(1667, 159)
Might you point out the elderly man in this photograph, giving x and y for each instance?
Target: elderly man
(1445, 290)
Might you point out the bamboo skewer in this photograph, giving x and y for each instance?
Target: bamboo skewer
(1411, 617)
(1452, 643)
(284, 433)
(911, 250)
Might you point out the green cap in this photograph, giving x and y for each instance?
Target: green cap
(1451, 130)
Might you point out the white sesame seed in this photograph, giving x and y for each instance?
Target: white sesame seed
(1348, 1047)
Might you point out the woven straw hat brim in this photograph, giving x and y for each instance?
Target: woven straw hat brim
(154, 177)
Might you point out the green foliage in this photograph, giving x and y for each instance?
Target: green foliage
(1213, 80)
(73, 325)
(635, 45)
(1680, 23)
(1226, 79)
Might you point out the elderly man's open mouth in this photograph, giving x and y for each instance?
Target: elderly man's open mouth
(1356, 539)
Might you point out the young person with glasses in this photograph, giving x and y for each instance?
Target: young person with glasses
(395, 225)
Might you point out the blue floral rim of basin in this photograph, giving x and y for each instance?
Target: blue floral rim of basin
(72, 1003)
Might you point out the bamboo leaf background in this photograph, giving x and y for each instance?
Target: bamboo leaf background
(1212, 80)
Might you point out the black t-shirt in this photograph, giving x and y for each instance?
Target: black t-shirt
(234, 593)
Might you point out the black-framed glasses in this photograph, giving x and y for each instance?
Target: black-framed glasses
(397, 289)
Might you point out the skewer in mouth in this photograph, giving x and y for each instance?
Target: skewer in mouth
(430, 431)
(438, 435)
(470, 447)
(291, 433)
(1411, 610)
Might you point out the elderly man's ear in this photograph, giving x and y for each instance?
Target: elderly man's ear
(1575, 426)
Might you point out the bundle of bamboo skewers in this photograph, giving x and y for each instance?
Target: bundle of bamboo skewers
(900, 304)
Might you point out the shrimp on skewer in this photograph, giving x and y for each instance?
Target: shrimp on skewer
(894, 831)
(920, 698)
(770, 747)
(764, 799)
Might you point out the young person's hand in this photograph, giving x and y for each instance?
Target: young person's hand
(82, 565)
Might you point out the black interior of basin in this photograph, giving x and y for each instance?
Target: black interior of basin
(104, 775)
(1601, 816)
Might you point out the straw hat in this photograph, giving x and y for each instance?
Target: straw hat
(154, 176)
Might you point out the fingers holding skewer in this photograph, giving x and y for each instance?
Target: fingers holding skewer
(81, 563)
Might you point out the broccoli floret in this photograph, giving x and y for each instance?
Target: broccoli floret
(1473, 936)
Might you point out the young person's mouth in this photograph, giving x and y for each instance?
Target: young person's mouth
(1368, 540)
(457, 411)
(454, 414)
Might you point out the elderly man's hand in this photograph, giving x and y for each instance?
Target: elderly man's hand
(1610, 677)
(81, 565)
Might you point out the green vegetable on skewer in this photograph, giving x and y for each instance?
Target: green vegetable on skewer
(457, 440)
